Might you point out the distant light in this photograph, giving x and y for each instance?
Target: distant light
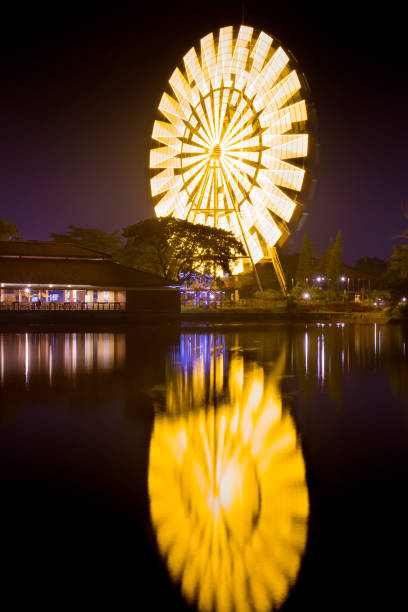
(2, 284)
(404, 299)
(69, 285)
(306, 296)
(342, 278)
(50, 285)
(27, 290)
(322, 278)
(29, 285)
(318, 279)
(212, 296)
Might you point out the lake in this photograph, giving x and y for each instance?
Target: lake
(241, 468)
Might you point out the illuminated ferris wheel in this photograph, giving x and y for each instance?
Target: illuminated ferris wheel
(235, 116)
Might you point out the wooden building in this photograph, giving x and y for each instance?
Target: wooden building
(45, 277)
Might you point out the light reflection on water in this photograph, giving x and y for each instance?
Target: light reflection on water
(44, 355)
(227, 487)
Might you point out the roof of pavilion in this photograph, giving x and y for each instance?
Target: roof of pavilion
(41, 264)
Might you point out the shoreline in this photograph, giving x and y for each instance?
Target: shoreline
(185, 320)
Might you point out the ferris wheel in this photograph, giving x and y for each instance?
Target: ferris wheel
(235, 116)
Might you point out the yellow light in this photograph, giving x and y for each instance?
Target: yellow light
(227, 488)
(234, 109)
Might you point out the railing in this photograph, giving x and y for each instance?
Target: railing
(73, 306)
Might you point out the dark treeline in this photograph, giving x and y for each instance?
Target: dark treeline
(305, 267)
(175, 249)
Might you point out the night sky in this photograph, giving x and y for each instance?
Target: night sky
(80, 88)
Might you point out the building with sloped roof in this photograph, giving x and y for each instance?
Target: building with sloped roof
(52, 276)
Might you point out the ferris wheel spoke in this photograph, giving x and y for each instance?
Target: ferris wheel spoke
(192, 148)
(236, 119)
(242, 131)
(238, 193)
(246, 169)
(209, 111)
(204, 129)
(196, 177)
(202, 189)
(216, 110)
(223, 110)
(198, 140)
(245, 141)
(240, 175)
(243, 156)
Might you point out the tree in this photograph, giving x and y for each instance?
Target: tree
(335, 264)
(404, 234)
(372, 267)
(91, 238)
(8, 231)
(397, 272)
(175, 249)
(307, 263)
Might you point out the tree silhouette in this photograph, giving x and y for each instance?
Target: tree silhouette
(307, 264)
(174, 248)
(8, 231)
(335, 264)
(91, 238)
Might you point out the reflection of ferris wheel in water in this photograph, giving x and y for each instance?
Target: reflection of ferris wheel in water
(235, 116)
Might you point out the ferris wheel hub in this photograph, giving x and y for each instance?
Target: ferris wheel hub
(217, 152)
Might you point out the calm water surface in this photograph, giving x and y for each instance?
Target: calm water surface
(253, 469)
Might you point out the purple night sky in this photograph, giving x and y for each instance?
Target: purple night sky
(80, 89)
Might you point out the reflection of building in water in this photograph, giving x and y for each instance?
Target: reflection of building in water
(227, 486)
(50, 354)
